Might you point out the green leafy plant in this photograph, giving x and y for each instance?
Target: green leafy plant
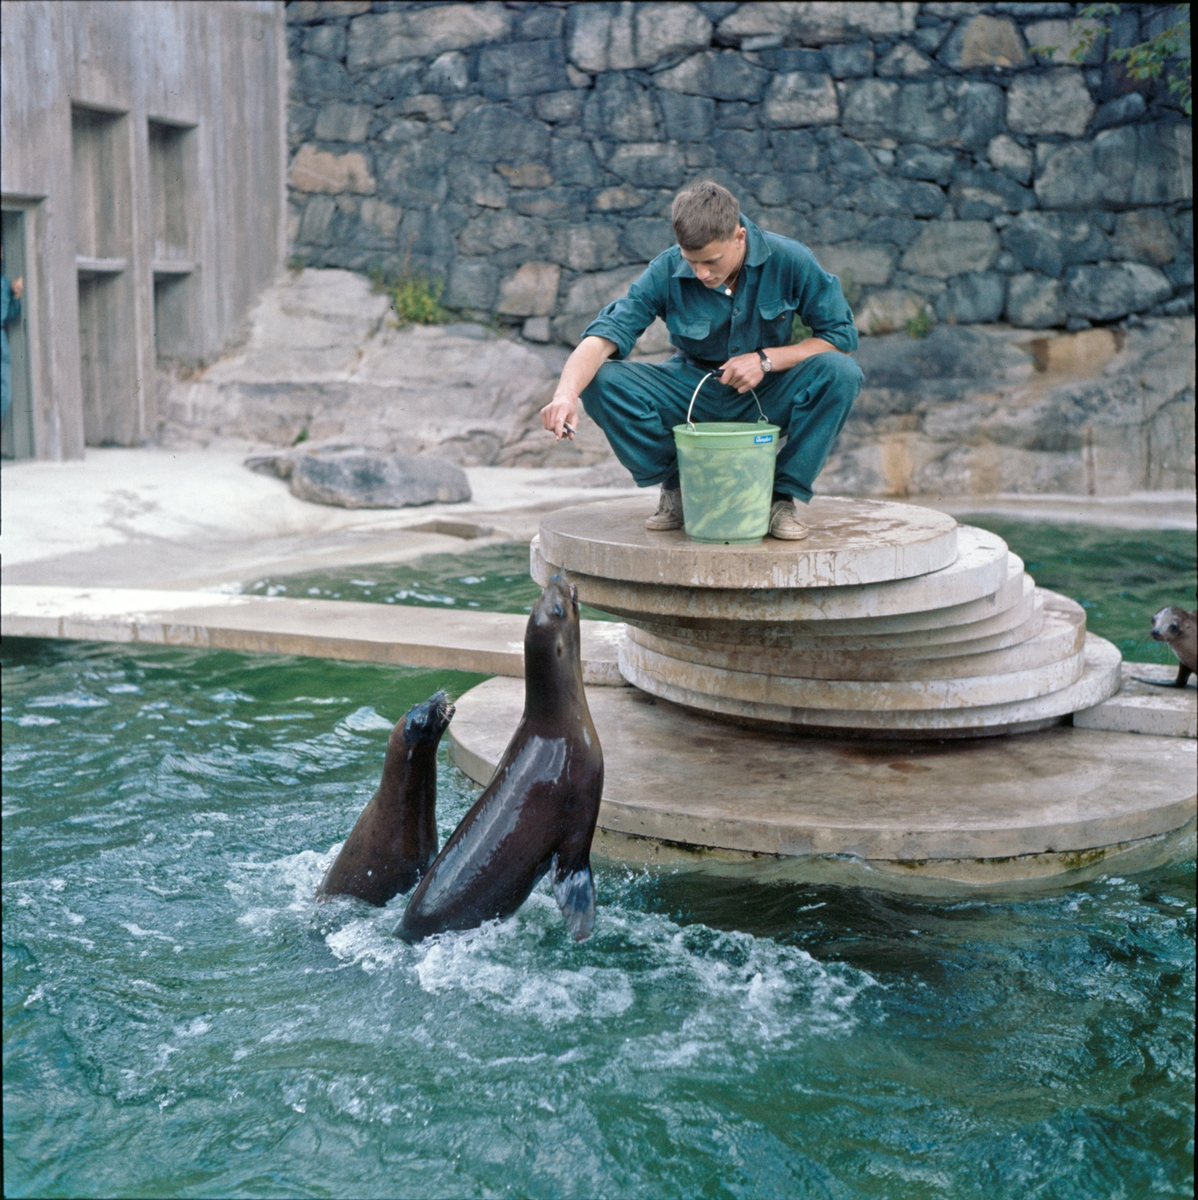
(1166, 52)
(302, 436)
(920, 325)
(415, 299)
(849, 288)
(798, 331)
(1149, 59)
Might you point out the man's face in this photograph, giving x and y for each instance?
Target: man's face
(717, 262)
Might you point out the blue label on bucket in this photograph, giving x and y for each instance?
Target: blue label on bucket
(763, 437)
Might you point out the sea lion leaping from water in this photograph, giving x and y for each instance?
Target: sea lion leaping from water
(1178, 629)
(538, 812)
(395, 838)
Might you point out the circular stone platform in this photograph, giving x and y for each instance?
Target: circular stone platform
(923, 817)
(894, 620)
(852, 542)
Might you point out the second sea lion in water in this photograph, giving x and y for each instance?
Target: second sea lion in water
(538, 812)
(395, 839)
(1178, 629)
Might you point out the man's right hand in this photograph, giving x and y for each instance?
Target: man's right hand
(585, 359)
(561, 411)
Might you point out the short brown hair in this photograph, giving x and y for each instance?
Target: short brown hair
(703, 214)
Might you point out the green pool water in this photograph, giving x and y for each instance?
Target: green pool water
(492, 578)
(180, 1018)
(1121, 577)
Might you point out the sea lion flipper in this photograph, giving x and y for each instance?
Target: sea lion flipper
(574, 891)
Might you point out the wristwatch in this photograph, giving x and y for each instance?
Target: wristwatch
(766, 365)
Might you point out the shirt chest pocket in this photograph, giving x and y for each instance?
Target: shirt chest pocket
(773, 311)
(695, 328)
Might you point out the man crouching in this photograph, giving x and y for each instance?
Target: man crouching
(728, 293)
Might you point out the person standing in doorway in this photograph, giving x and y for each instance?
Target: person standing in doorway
(728, 294)
(10, 312)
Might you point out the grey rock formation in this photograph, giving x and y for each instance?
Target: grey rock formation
(983, 42)
(359, 478)
(1132, 165)
(1104, 292)
(325, 364)
(1007, 155)
(800, 98)
(1055, 102)
(851, 61)
(986, 409)
(947, 248)
(1035, 302)
(1047, 242)
(1120, 111)
(1145, 236)
(973, 299)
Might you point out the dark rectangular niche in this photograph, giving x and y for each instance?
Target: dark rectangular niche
(103, 211)
(172, 192)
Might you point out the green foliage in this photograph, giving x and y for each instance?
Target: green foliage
(302, 436)
(1167, 52)
(296, 263)
(798, 331)
(920, 325)
(415, 299)
(850, 288)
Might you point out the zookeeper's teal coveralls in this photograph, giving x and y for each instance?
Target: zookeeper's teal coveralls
(638, 404)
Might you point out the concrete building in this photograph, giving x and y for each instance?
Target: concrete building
(142, 181)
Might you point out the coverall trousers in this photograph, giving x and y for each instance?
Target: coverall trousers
(638, 404)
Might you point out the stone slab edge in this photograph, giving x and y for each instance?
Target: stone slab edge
(341, 629)
(1141, 708)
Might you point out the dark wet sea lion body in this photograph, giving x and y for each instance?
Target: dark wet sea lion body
(1178, 629)
(538, 812)
(394, 840)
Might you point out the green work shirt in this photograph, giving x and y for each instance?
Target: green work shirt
(779, 278)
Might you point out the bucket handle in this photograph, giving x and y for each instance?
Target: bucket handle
(761, 420)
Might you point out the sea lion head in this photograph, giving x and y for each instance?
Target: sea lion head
(426, 722)
(551, 640)
(1168, 624)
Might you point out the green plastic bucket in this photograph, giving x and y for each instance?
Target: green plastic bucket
(727, 473)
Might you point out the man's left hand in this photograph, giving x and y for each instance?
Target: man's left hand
(743, 372)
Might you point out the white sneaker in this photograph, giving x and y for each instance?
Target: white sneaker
(669, 511)
(785, 523)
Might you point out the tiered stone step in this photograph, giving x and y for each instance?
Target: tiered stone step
(888, 619)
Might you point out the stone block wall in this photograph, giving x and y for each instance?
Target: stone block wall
(527, 153)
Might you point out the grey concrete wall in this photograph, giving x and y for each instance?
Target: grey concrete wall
(144, 139)
(527, 154)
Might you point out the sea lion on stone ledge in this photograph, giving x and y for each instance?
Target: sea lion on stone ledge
(538, 812)
(395, 839)
(1178, 629)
